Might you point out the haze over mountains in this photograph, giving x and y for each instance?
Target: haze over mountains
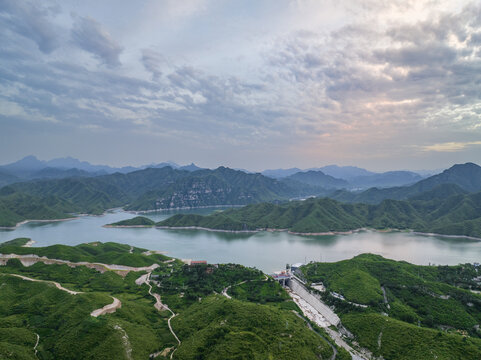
(341, 177)
(30, 168)
(61, 191)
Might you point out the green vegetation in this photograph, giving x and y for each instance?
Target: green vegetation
(15, 242)
(166, 188)
(106, 253)
(394, 339)
(17, 207)
(460, 178)
(429, 307)
(209, 326)
(147, 189)
(456, 215)
(136, 221)
(217, 328)
(261, 291)
(194, 282)
(64, 324)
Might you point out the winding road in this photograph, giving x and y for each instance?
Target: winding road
(107, 309)
(145, 279)
(57, 285)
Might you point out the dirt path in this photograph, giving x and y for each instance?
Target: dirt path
(125, 342)
(385, 297)
(36, 344)
(28, 260)
(159, 305)
(57, 285)
(379, 340)
(224, 292)
(107, 309)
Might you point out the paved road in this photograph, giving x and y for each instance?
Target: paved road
(107, 309)
(57, 285)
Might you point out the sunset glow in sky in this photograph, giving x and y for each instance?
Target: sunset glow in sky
(248, 84)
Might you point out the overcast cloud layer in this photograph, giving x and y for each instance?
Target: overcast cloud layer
(252, 84)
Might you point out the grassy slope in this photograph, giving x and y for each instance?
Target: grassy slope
(218, 328)
(16, 207)
(161, 188)
(433, 297)
(136, 221)
(405, 341)
(107, 253)
(67, 331)
(455, 215)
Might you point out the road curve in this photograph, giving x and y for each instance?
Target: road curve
(57, 285)
(107, 309)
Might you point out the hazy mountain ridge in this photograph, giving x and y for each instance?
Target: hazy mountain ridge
(347, 177)
(31, 168)
(318, 178)
(160, 188)
(222, 186)
(163, 188)
(459, 214)
(466, 176)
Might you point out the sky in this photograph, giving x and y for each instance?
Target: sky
(255, 84)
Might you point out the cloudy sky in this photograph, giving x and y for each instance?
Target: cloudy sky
(249, 84)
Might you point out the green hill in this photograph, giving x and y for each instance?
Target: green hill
(466, 176)
(166, 188)
(107, 253)
(136, 221)
(218, 328)
(150, 189)
(455, 215)
(208, 325)
(16, 207)
(429, 311)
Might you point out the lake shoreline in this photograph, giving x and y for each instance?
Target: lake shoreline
(327, 233)
(33, 220)
(75, 217)
(183, 208)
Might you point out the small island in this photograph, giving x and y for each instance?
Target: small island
(138, 221)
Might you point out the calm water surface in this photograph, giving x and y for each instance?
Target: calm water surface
(265, 250)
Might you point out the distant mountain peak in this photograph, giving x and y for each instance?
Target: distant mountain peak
(191, 167)
(29, 162)
(344, 172)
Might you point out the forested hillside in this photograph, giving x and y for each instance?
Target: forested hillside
(458, 214)
(408, 311)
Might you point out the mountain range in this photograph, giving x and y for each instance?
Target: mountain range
(466, 176)
(148, 189)
(347, 177)
(166, 187)
(30, 168)
(458, 214)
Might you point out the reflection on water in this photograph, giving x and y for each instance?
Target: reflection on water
(268, 251)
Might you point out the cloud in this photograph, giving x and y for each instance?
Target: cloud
(152, 61)
(450, 146)
(362, 88)
(30, 20)
(88, 34)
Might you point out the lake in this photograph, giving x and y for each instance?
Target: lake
(268, 251)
